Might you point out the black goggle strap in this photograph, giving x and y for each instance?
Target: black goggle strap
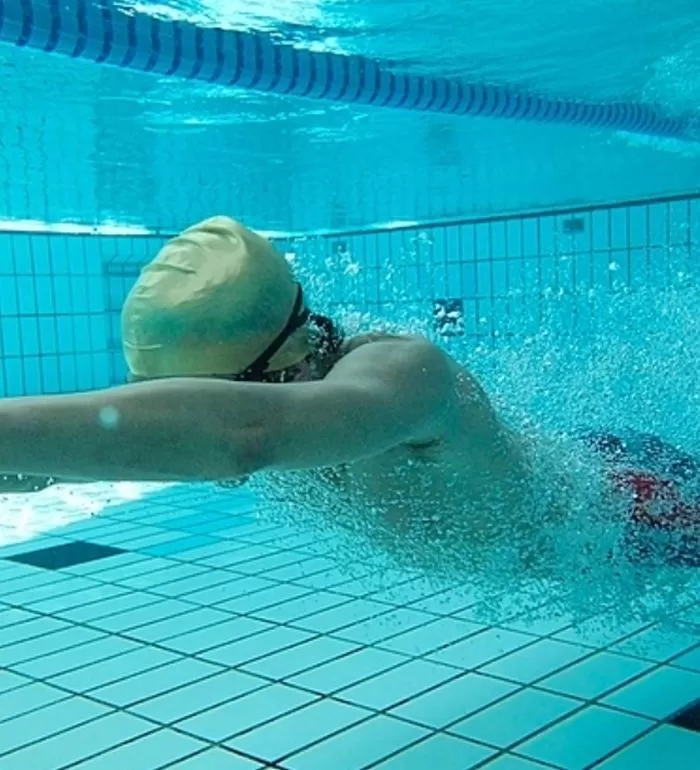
(299, 316)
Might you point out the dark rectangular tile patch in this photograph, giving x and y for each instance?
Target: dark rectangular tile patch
(688, 717)
(68, 555)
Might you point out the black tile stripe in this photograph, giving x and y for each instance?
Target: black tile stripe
(66, 555)
(688, 717)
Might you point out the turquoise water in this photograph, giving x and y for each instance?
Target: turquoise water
(232, 632)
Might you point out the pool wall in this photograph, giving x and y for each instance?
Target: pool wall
(485, 279)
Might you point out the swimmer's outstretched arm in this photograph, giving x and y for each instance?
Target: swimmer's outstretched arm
(191, 429)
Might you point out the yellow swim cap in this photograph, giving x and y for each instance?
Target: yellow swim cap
(211, 302)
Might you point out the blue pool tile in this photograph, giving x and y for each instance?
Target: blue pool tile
(302, 606)
(331, 578)
(69, 638)
(443, 751)
(292, 573)
(584, 738)
(57, 605)
(128, 665)
(658, 694)
(200, 617)
(292, 733)
(218, 759)
(541, 622)
(220, 593)
(208, 637)
(10, 681)
(373, 630)
(37, 725)
(516, 717)
(600, 631)
(399, 684)
(690, 660)
(481, 648)
(256, 646)
(56, 663)
(449, 601)
(31, 629)
(537, 660)
(347, 670)
(508, 762)
(251, 710)
(13, 616)
(28, 698)
(596, 675)
(199, 696)
(429, 637)
(308, 655)
(79, 743)
(150, 683)
(359, 746)
(336, 618)
(181, 545)
(96, 610)
(151, 752)
(158, 579)
(190, 520)
(454, 700)
(667, 746)
(657, 643)
(265, 564)
(140, 616)
(253, 604)
(204, 578)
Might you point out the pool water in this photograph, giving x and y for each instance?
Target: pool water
(192, 627)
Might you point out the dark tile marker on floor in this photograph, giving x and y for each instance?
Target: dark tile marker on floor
(68, 555)
(688, 717)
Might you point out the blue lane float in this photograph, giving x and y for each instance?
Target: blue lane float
(107, 35)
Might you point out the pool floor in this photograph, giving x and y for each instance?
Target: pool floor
(182, 631)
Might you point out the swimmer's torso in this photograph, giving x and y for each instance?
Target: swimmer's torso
(466, 482)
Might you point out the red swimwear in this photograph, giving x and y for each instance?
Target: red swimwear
(664, 491)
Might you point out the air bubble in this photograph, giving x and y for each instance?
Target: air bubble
(108, 417)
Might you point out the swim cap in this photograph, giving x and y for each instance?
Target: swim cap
(211, 302)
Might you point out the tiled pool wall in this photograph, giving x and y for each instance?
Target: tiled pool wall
(60, 295)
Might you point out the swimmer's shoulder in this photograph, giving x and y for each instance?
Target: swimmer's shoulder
(354, 343)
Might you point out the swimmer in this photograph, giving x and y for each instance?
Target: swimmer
(231, 375)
